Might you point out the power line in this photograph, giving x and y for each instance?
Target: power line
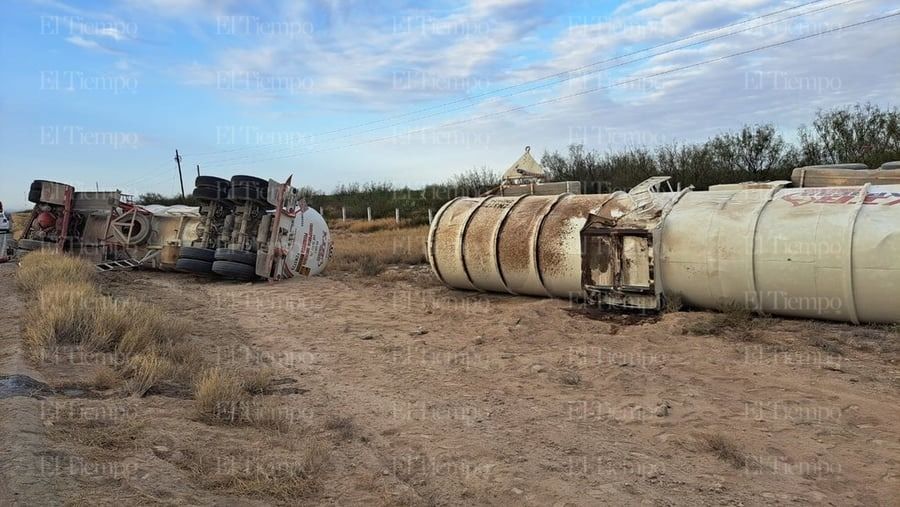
(546, 77)
(553, 83)
(600, 88)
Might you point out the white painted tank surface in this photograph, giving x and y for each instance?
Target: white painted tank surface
(309, 246)
(527, 244)
(826, 253)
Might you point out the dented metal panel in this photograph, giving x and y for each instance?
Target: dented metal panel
(522, 245)
(825, 253)
(829, 253)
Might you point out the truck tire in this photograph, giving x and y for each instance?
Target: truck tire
(240, 193)
(193, 265)
(210, 193)
(211, 182)
(200, 254)
(234, 270)
(238, 256)
(249, 181)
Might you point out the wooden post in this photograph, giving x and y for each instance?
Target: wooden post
(343, 214)
(369, 213)
(322, 212)
(430, 216)
(180, 178)
(397, 215)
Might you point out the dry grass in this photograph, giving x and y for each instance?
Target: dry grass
(108, 434)
(570, 378)
(342, 426)
(287, 480)
(380, 224)
(105, 378)
(370, 253)
(146, 370)
(60, 315)
(18, 223)
(68, 309)
(220, 397)
(258, 381)
(732, 321)
(42, 269)
(725, 449)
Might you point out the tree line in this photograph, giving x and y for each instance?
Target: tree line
(863, 133)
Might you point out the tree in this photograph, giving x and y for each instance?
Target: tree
(864, 133)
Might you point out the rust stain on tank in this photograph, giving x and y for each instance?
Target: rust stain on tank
(447, 236)
(561, 232)
(514, 244)
(478, 245)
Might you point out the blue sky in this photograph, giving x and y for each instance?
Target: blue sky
(104, 92)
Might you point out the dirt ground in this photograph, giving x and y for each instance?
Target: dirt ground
(414, 394)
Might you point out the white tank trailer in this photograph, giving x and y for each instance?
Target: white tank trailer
(245, 228)
(825, 253)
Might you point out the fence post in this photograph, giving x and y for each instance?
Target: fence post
(343, 214)
(322, 211)
(397, 215)
(369, 213)
(429, 216)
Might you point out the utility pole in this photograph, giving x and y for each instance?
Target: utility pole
(180, 178)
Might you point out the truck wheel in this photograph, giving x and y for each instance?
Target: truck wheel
(210, 182)
(234, 270)
(200, 254)
(249, 181)
(241, 192)
(238, 256)
(210, 193)
(193, 265)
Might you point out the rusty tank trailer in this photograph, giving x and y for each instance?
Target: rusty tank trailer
(828, 252)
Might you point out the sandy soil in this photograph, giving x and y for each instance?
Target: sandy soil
(422, 395)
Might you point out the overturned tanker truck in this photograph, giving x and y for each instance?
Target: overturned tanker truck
(245, 228)
(825, 252)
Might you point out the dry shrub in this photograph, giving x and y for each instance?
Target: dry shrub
(44, 268)
(19, 220)
(106, 378)
(61, 315)
(148, 326)
(286, 481)
(368, 254)
(380, 224)
(725, 449)
(146, 370)
(69, 310)
(220, 397)
(827, 345)
(570, 378)
(268, 415)
(77, 314)
(81, 426)
(673, 303)
(733, 320)
(259, 380)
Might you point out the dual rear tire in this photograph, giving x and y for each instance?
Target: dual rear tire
(195, 260)
(235, 264)
(211, 188)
